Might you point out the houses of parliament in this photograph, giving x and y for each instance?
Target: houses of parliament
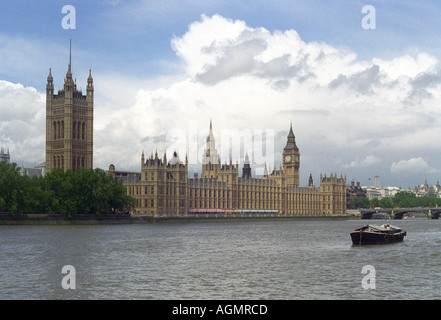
(163, 186)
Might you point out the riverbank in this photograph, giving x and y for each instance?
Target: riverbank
(53, 219)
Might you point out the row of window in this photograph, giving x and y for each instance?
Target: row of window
(150, 203)
(151, 176)
(77, 161)
(78, 130)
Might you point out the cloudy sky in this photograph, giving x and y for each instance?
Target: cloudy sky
(361, 87)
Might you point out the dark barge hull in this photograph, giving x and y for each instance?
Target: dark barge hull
(360, 238)
(373, 234)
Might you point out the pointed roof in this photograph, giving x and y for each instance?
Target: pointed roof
(90, 79)
(69, 70)
(210, 153)
(247, 160)
(291, 140)
(311, 181)
(49, 77)
(291, 133)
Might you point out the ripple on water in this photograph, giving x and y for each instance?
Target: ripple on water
(244, 260)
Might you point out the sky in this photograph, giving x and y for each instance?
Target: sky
(359, 81)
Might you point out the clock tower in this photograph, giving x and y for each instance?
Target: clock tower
(291, 160)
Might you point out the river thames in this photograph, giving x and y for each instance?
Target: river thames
(275, 260)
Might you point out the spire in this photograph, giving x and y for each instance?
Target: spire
(247, 160)
(210, 153)
(291, 133)
(90, 79)
(49, 77)
(291, 140)
(69, 69)
(70, 54)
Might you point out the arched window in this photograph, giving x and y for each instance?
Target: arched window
(74, 133)
(62, 129)
(79, 130)
(54, 131)
(73, 163)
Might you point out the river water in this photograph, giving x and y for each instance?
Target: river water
(295, 259)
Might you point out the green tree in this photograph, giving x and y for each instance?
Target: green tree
(359, 202)
(12, 186)
(87, 191)
(375, 202)
(386, 202)
(405, 199)
(83, 191)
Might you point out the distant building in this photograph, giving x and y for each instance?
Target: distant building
(4, 155)
(425, 190)
(377, 182)
(354, 191)
(382, 192)
(37, 171)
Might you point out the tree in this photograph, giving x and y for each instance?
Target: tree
(12, 187)
(359, 202)
(405, 199)
(386, 202)
(375, 202)
(83, 191)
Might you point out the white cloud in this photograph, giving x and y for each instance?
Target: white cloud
(22, 122)
(366, 162)
(411, 166)
(250, 78)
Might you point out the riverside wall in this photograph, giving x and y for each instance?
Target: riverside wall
(54, 219)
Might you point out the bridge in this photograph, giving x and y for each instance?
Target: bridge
(399, 213)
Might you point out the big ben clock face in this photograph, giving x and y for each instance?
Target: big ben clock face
(288, 158)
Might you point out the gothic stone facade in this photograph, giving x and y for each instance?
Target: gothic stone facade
(69, 125)
(164, 188)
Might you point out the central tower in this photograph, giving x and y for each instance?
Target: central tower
(210, 159)
(291, 160)
(69, 124)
